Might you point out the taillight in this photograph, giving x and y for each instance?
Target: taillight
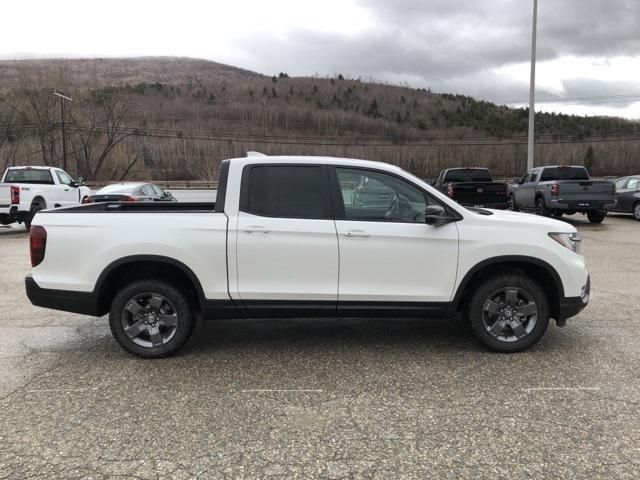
(450, 190)
(37, 244)
(555, 189)
(129, 199)
(15, 195)
(614, 187)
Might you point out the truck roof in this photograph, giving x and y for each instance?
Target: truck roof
(256, 156)
(35, 167)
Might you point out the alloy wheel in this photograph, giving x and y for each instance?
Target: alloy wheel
(509, 314)
(149, 320)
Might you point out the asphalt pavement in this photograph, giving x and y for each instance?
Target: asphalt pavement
(330, 399)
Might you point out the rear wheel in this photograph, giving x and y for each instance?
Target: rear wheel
(35, 208)
(596, 217)
(541, 208)
(508, 313)
(513, 206)
(151, 318)
(636, 211)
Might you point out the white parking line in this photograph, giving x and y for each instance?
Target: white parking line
(269, 390)
(539, 389)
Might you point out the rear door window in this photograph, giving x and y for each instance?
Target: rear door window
(286, 191)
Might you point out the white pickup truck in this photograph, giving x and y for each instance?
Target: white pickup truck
(26, 190)
(285, 238)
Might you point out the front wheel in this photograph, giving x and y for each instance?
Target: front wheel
(151, 318)
(596, 217)
(512, 205)
(508, 313)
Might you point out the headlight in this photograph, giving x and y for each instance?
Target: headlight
(569, 240)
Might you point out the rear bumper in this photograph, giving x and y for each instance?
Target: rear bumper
(570, 306)
(578, 206)
(496, 206)
(66, 300)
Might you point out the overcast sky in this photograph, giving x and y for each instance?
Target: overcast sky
(588, 50)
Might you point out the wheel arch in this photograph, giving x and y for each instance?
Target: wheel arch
(39, 199)
(539, 270)
(135, 267)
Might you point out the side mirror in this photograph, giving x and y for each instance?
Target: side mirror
(80, 181)
(435, 215)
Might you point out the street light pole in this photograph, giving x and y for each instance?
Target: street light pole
(532, 88)
(64, 132)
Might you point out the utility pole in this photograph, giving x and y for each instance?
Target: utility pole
(64, 132)
(532, 88)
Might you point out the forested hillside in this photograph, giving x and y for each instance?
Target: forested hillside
(172, 118)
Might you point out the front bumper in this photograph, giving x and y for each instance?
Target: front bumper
(66, 300)
(570, 306)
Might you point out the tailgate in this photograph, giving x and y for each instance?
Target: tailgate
(585, 191)
(468, 193)
(5, 196)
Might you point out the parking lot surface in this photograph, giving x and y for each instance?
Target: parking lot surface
(359, 398)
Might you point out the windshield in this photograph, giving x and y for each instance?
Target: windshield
(121, 188)
(28, 175)
(564, 173)
(468, 175)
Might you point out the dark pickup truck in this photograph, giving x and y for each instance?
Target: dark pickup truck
(472, 187)
(563, 189)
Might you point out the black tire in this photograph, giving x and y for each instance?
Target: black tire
(35, 208)
(596, 217)
(173, 304)
(509, 328)
(513, 206)
(636, 211)
(541, 208)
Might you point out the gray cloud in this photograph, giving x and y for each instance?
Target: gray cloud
(453, 45)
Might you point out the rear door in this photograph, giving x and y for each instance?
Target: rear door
(387, 252)
(286, 244)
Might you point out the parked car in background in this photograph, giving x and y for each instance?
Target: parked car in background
(472, 187)
(283, 239)
(24, 191)
(627, 197)
(562, 189)
(131, 192)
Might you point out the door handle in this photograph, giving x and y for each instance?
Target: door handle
(256, 229)
(356, 233)
(66, 189)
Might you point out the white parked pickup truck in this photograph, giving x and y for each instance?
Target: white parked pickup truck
(26, 190)
(285, 238)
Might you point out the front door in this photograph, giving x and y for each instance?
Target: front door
(389, 257)
(525, 193)
(67, 195)
(287, 250)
